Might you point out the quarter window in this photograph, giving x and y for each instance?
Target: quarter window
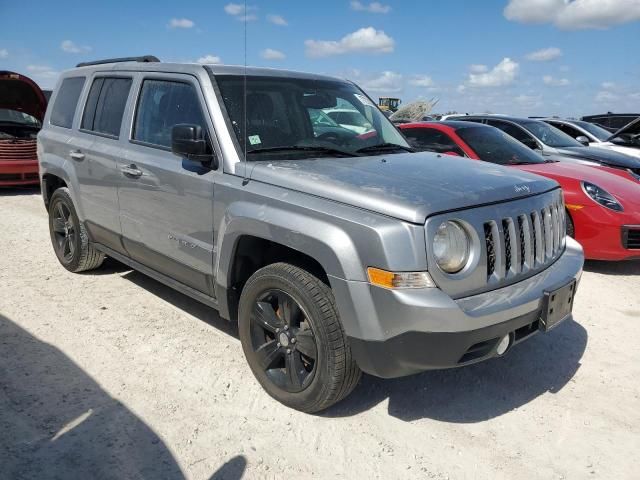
(105, 105)
(426, 139)
(163, 104)
(66, 102)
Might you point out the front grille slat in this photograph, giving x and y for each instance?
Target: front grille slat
(517, 244)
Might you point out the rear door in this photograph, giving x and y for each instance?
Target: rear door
(96, 152)
(166, 202)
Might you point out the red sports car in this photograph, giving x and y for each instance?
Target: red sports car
(603, 204)
(22, 107)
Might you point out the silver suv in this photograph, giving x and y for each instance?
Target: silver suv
(337, 250)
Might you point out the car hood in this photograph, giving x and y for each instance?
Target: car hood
(408, 186)
(601, 155)
(617, 182)
(632, 128)
(20, 93)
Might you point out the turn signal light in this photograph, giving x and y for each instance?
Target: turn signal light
(385, 279)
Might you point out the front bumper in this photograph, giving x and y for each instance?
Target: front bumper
(19, 172)
(394, 333)
(601, 233)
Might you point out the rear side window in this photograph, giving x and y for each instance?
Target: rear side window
(105, 105)
(161, 105)
(64, 108)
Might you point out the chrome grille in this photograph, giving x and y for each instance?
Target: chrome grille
(525, 242)
(509, 242)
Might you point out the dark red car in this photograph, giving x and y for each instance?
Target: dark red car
(603, 204)
(22, 107)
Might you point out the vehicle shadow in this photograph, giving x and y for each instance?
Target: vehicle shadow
(57, 422)
(629, 267)
(19, 191)
(183, 302)
(545, 363)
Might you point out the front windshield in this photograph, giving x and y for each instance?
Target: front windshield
(292, 118)
(495, 146)
(13, 116)
(595, 130)
(549, 135)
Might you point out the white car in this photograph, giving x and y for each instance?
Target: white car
(350, 119)
(626, 140)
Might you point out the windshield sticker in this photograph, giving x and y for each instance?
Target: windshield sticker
(255, 140)
(363, 100)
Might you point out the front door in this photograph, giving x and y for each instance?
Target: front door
(166, 202)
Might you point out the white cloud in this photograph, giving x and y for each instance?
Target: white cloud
(528, 101)
(605, 96)
(4, 53)
(44, 75)
(373, 7)
(608, 85)
(574, 14)
(478, 68)
(423, 81)
(70, 47)
(555, 82)
(502, 74)
(271, 54)
(277, 20)
(388, 82)
(365, 40)
(209, 59)
(545, 55)
(240, 12)
(181, 23)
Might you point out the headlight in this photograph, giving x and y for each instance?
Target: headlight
(601, 196)
(451, 246)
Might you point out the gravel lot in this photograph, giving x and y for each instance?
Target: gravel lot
(110, 374)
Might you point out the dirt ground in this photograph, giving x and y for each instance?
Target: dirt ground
(110, 374)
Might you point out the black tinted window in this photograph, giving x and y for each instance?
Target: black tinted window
(163, 104)
(64, 107)
(569, 130)
(495, 146)
(105, 105)
(619, 122)
(427, 139)
(516, 132)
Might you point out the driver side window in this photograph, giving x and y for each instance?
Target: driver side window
(161, 105)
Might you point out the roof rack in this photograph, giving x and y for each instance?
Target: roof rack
(144, 59)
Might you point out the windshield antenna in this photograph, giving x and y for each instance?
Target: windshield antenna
(244, 95)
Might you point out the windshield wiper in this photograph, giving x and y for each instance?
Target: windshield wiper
(307, 148)
(382, 147)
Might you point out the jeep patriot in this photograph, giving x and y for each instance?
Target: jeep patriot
(336, 249)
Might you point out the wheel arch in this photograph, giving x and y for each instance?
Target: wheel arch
(247, 244)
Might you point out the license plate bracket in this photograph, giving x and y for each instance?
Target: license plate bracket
(557, 305)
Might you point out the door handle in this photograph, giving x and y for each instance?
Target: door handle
(76, 155)
(131, 171)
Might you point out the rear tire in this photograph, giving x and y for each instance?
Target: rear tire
(69, 237)
(293, 339)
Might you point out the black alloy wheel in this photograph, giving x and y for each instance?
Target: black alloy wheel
(64, 234)
(283, 341)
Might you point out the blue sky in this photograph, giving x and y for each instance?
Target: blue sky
(564, 57)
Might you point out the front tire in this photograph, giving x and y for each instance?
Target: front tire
(293, 339)
(69, 237)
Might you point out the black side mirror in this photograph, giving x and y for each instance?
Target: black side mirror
(583, 140)
(188, 141)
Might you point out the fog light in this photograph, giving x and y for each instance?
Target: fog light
(503, 345)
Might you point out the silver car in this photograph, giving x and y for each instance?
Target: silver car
(336, 251)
